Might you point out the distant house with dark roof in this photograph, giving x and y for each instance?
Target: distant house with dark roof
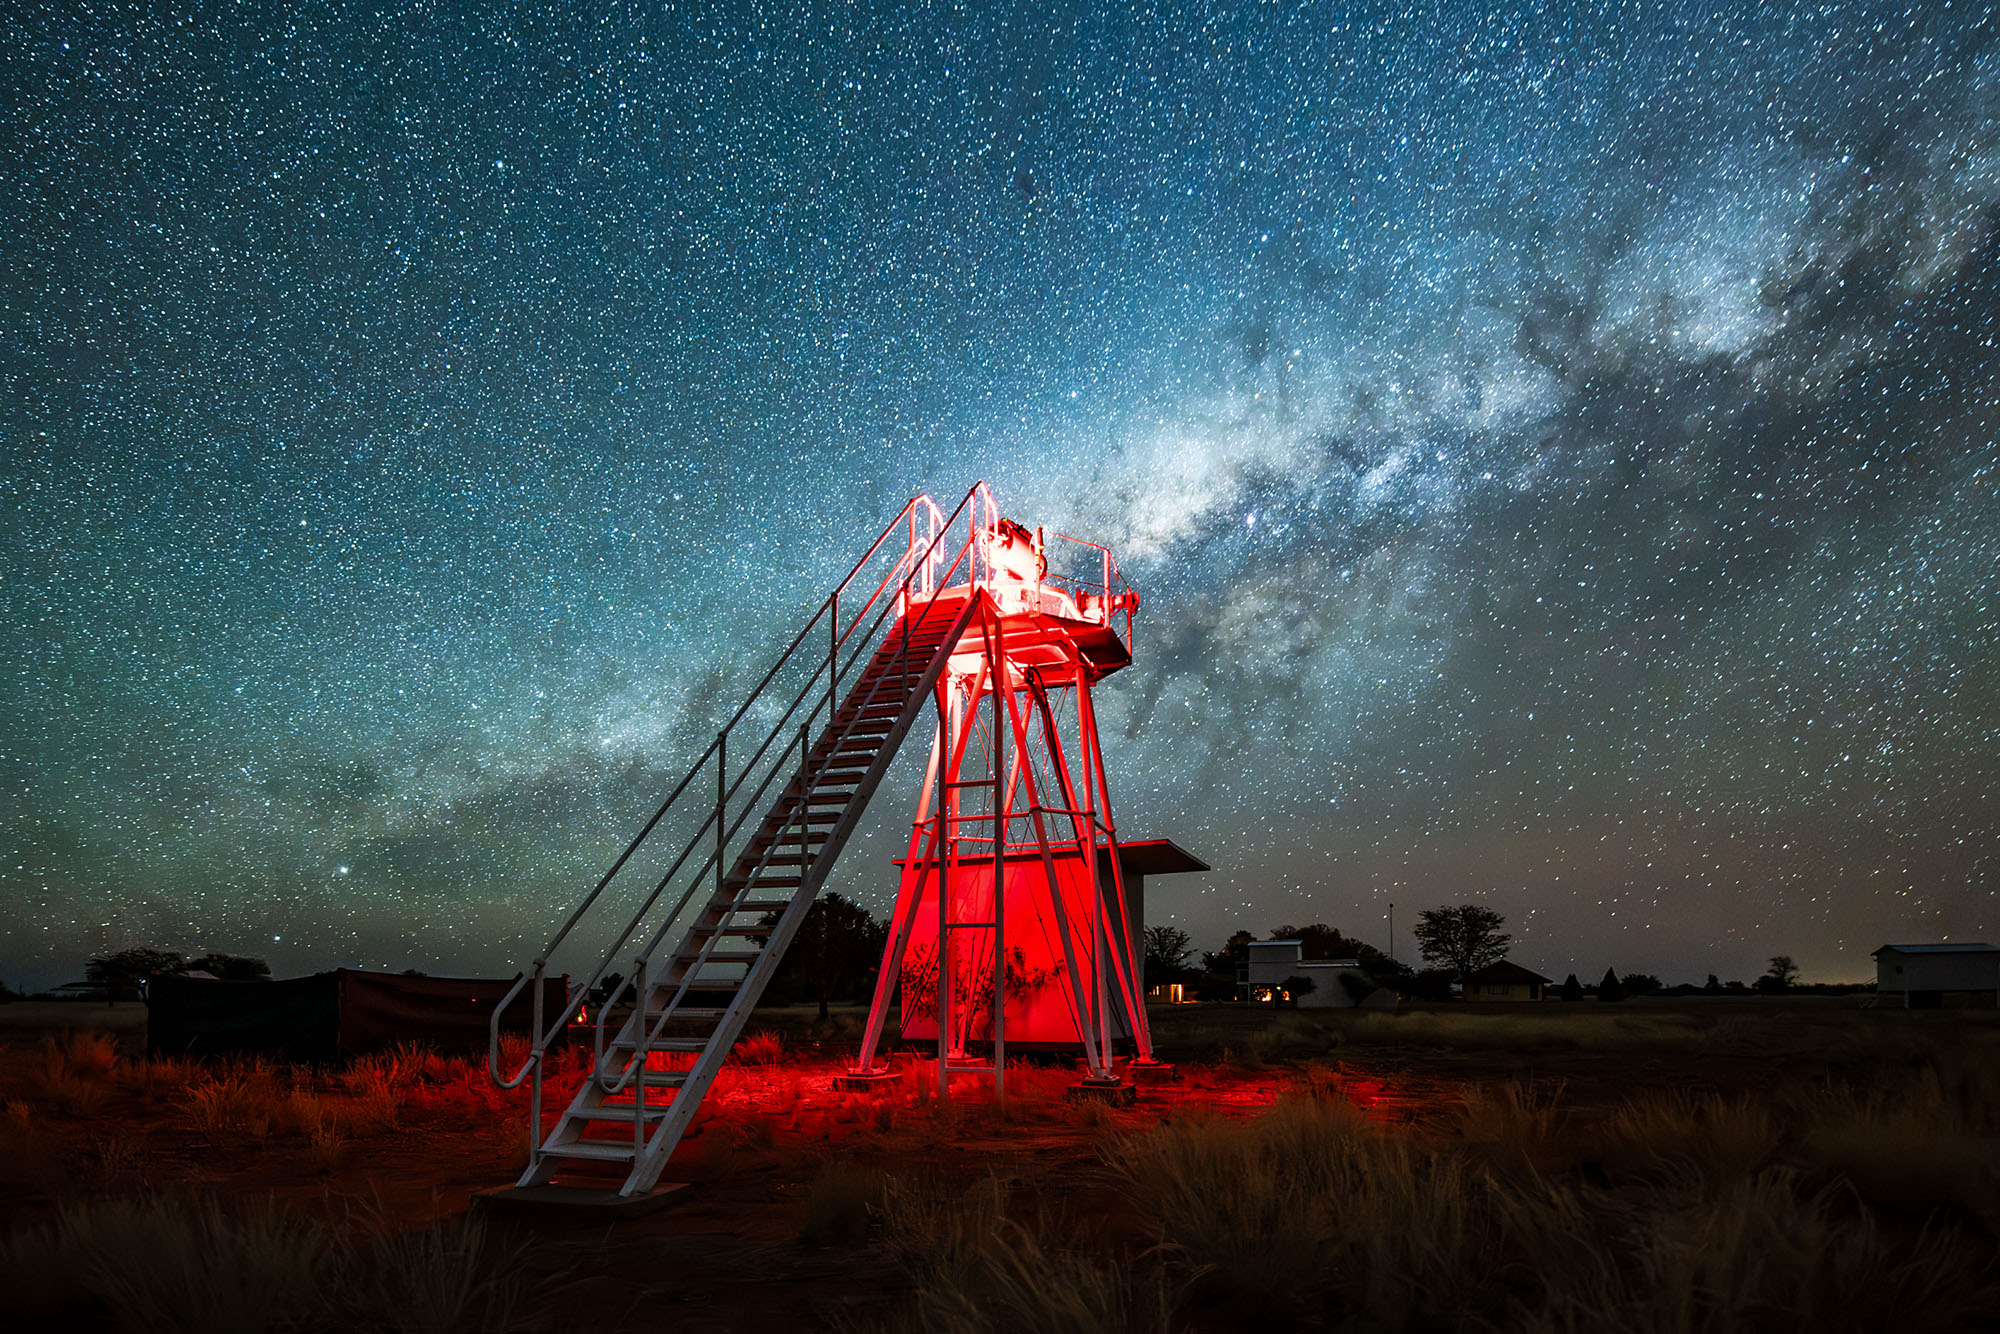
(1505, 981)
(1929, 977)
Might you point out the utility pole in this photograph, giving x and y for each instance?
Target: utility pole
(1392, 931)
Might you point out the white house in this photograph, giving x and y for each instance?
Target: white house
(1932, 976)
(1270, 962)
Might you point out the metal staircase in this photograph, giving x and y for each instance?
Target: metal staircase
(679, 1012)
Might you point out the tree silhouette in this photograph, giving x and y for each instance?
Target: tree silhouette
(837, 946)
(1609, 989)
(1167, 949)
(1464, 939)
(1320, 941)
(1780, 976)
(1232, 952)
(121, 974)
(1572, 990)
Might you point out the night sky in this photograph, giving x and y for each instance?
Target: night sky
(1556, 447)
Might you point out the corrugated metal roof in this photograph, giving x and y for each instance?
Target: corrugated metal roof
(1970, 947)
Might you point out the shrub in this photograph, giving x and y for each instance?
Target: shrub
(762, 1048)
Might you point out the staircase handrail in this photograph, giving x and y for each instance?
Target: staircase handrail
(809, 783)
(913, 569)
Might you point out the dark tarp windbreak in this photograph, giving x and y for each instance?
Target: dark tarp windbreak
(330, 1015)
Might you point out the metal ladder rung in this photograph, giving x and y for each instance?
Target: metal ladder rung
(954, 926)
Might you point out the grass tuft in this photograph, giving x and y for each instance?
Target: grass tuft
(976, 1271)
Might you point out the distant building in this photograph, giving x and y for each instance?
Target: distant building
(1266, 965)
(1506, 981)
(1269, 964)
(1929, 977)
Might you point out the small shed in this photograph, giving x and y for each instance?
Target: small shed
(1506, 981)
(1929, 977)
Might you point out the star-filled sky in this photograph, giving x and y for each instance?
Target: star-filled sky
(1556, 446)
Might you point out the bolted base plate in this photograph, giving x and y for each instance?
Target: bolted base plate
(864, 1081)
(1153, 1072)
(1114, 1091)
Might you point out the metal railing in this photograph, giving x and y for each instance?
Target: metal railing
(798, 696)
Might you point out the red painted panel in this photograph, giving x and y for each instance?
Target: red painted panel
(1040, 1005)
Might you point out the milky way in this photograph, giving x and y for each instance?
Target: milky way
(1555, 446)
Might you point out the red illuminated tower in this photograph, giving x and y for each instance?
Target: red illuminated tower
(1014, 825)
(1012, 888)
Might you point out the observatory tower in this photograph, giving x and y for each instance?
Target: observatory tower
(1012, 921)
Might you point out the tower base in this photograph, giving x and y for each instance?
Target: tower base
(1114, 1091)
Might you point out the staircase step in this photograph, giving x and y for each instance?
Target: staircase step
(762, 905)
(687, 1013)
(622, 1043)
(621, 1111)
(725, 956)
(595, 1150)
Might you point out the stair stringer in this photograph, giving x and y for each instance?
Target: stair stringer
(651, 1161)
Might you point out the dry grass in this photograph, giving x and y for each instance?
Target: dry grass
(1689, 1139)
(1556, 1029)
(1762, 1253)
(448, 1278)
(762, 1049)
(974, 1270)
(164, 1266)
(76, 1068)
(1310, 1209)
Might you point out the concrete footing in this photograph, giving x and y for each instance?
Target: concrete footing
(864, 1081)
(1114, 1091)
